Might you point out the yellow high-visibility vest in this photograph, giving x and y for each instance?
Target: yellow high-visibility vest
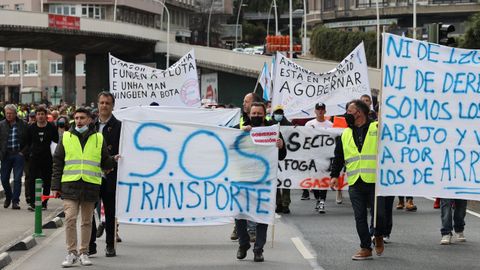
(362, 164)
(82, 164)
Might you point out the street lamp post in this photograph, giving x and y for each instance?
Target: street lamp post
(168, 30)
(304, 47)
(291, 28)
(208, 26)
(378, 33)
(236, 25)
(272, 5)
(414, 19)
(115, 11)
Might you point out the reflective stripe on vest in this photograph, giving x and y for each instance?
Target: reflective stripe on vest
(82, 164)
(242, 122)
(362, 164)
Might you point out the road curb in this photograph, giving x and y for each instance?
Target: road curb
(53, 224)
(26, 244)
(5, 260)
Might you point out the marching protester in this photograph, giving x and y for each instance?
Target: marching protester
(320, 122)
(109, 126)
(40, 136)
(357, 150)
(283, 194)
(78, 162)
(13, 148)
(245, 121)
(459, 209)
(257, 119)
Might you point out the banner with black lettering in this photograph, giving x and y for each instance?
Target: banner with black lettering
(310, 152)
(133, 84)
(298, 89)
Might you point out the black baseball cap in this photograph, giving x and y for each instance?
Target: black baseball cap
(320, 106)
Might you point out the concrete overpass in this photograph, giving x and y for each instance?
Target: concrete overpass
(96, 38)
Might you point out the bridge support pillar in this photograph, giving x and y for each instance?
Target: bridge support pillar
(69, 78)
(96, 75)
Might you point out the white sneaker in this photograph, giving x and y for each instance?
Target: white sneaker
(317, 205)
(84, 260)
(339, 198)
(70, 260)
(446, 239)
(386, 239)
(321, 207)
(461, 237)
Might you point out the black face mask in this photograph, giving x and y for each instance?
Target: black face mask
(350, 119)
(256, 121)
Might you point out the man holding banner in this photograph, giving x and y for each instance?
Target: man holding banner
(257, 119)
(357, 151)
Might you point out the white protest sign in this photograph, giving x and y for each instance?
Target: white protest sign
(264, 135)
(429, 137)
(309, 154)
(218, 117)
(133, 84)
(298, 89)
(186, 171)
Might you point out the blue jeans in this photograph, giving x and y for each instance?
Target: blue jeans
(361, 195)
(458, 215)
(244, 238)
(15, 162)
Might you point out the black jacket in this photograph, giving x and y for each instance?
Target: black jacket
(78, 190)
(111, 134)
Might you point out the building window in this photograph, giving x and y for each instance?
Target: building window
(2, 68)
(93, 11)
(61, 9)
(30, 68)
(19, 6)
(3, 6)
(14, 67)
(370, 3)
(80, 68)
(56, 67)
(329, 5)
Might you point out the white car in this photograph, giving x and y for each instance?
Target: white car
(238, 50)
(249, 50)
(258, 50)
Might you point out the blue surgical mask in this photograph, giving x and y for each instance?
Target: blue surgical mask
(81, 129)
(278, 117)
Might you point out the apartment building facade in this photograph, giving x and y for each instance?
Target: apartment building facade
(29, 74)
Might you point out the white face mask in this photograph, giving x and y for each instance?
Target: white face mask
(81, 129)
(278, 117)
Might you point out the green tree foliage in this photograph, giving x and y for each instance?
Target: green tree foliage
(335, 45)
(253, 33)
(471, 38)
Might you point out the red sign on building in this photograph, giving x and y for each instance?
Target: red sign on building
(63, 22)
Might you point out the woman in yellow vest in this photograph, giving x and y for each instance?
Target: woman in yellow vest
(357, 151)
(78, 162)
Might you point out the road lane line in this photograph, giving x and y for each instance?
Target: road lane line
(302, 249)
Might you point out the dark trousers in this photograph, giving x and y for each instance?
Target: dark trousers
(244, 238)
(40, 167)
(108, 199)
(458, 215)
(13, 162)
(283, 197)
(387, 202)
(320, 194)
(361, 195)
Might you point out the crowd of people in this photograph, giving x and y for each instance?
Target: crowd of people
(75, 152)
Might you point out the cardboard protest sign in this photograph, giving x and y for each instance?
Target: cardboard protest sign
(218, 117)
(309, 154)
(133, 84)
(298, 89)
(429, 137)
(187, 171)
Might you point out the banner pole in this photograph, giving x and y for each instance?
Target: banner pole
(379, 131)
(258, 79)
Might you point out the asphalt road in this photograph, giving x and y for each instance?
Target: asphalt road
(303, 240)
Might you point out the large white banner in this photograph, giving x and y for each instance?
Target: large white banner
(133, 84)
(174, 173)
(309, 155)
(218, 117)
(298, 89)
(429, 136)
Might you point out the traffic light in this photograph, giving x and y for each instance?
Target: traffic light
(443, 38)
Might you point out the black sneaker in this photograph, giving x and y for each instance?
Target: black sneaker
(92, 251)
(279, 209)
(258, 256)
(44, 205)
(100, 229)
(286, 210)
(110, 252)
(15, 206)
(31, 208)
(242, 252)
(7, 203)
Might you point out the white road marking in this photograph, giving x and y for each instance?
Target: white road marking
(302, 249)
